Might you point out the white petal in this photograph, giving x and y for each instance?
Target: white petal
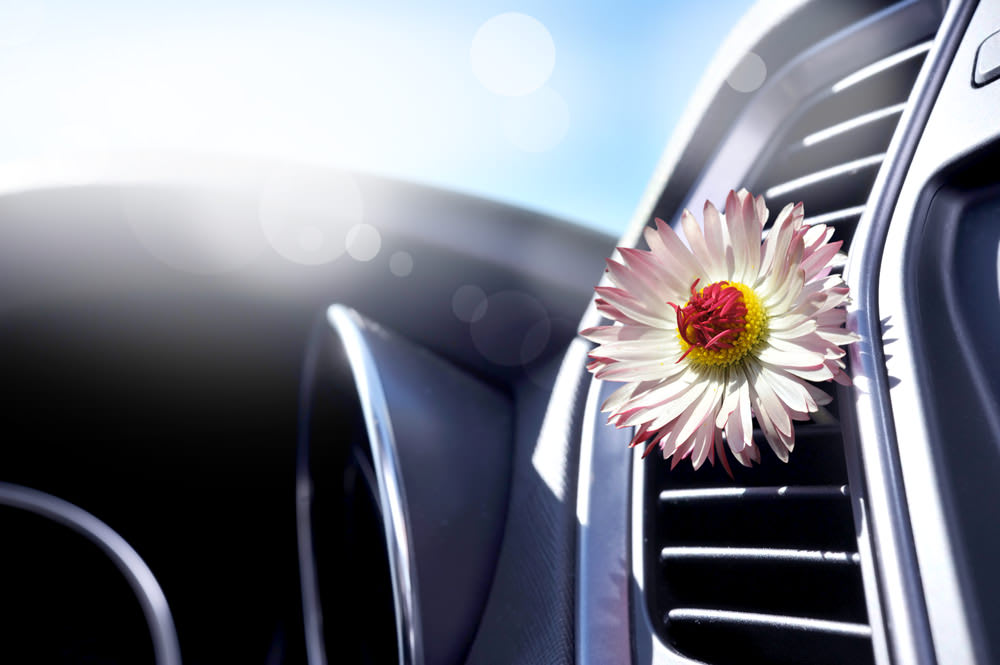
(671, 250)
(704, 440)
(766, 403)
(696, 240)
(697, 413)
(790, 356)
(739, 424)
(717, 242)
(641, 286)
(789, 390)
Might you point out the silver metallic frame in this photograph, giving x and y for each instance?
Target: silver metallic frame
(347, 326)
(126, 559)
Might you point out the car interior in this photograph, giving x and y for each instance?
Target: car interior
(221, 446)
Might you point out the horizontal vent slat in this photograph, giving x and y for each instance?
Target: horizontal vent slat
(753, 493)
(864, 134)
(882, 65)
(813, 523)
(775, 621)
(819, 177)
(836, 216)
(861, 92)
(760, 554)
(852, 125)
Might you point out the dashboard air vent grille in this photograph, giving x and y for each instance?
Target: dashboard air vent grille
(763, 568)
(833, 146)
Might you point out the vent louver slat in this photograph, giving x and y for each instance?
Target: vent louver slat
(741, 566)
(833, 145)
(764, 567)
(757, 554)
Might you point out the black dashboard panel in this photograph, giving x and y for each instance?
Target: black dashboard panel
(165, 399)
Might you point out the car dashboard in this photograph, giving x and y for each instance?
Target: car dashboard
(227, 441)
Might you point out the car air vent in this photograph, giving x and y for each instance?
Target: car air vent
(764, 567)
(833, 146)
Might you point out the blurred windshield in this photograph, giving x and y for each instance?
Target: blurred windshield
(563, 107)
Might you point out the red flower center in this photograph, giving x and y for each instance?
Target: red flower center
(713, 318)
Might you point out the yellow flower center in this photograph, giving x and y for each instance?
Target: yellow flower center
(720, 324)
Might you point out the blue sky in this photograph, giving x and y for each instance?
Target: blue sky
(572, 122)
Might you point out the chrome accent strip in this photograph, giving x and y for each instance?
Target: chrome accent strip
(603, 633)
(901, 602)
(881, 66)
(772, 621)
(847, 168)
(126, 559)
(385, 459)
(759, 554)
(312, 616)
(766, 493)
(852, 124)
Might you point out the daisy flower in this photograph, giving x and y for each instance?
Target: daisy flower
(724, 329)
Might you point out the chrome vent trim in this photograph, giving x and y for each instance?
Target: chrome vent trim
(910, 530)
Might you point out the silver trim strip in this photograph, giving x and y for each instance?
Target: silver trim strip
(772, 621)
(126, 559)
(759, 554)
(904, 606)
(390, 481)
(312, 619)
(766, 493)
(603, 629)
(847, 168)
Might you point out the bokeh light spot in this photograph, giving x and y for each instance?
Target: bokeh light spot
(198, 231)
(469, 303)
(363, 242)
(535, 340)
(512, 54)
(310, 238)
(401, 264)
(536, 122)
(514, 330)
(749, 74)
(306, 216)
